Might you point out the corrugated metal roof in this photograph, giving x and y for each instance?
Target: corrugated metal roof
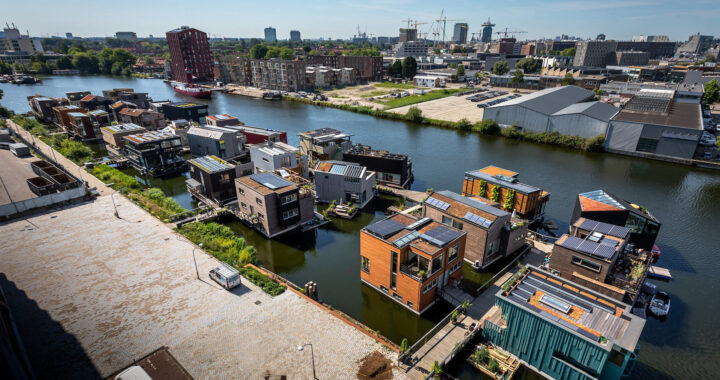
(596, 110)
(210, 164)
(123, 128)
(550, 100)
(150, 137)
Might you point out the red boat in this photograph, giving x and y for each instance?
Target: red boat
(190, 89)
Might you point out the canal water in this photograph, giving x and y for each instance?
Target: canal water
(685, 199)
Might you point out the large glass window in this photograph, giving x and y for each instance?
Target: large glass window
(437, 264)
(651, 228)
(365, 264)
(647, 145)
(586, 263)
(635, 223)
(453, 252)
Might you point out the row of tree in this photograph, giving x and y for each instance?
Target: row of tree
(407, 68)
(106, 61)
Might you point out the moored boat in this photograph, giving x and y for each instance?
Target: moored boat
(659, 305)
(190, 89)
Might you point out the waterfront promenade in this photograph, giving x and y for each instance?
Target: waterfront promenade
(91, 293)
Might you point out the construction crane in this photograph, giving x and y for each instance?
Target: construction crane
(409, 20)
(511, 32)
(444, 20)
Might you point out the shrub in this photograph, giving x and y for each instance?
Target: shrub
(436, 370)
(414, 114)
(121, 181)
(73, 150)
(481, 355)
(221, 242)
(493, 365)
(403, 345)
(268, 286)
(454, 316)
(512, 133)
(483, 189)
(488, 127)
(464, 124)
(509, 199)
(495, 193)
(595, 144)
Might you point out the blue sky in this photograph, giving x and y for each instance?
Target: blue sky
(618, 19)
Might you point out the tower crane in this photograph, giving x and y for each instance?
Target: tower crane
(444, 20)
(511, 32)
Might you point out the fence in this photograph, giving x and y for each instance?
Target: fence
(421, 342)
(499, 274)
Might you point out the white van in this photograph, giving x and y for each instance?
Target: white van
(225, 275)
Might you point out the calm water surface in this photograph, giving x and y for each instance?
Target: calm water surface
(686, 200)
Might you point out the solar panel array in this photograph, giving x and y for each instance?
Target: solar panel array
(477, 219)
(385, 228)
(270, 180)
(418, 224)
(437, 203)
(405, 240)
(588, 247)
(441, 236)
(604, 228)
(338, 169)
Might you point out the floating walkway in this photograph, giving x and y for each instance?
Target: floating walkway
(659, 273)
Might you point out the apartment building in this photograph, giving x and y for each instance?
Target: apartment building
(224, 143)
(272, 205)
(324, 144)
(501, 186)
(411, 49)
(491, 232)
(562, 329)
(323, 76)
(277, 74)
(392, 169)
(410, 260)
(344, 182)
(189, 54)
(154, 153)
(367, 68)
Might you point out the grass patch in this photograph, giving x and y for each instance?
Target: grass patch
(268, 286)
(413, 99)
(152, 200)
(221, 242)
(376, 93)
(394, 85)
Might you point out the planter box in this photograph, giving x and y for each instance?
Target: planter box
(41, 186)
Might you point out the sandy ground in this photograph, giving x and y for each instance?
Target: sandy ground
(92, 292)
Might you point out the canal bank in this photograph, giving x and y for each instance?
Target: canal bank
(685, 199)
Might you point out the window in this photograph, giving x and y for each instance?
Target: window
(437, 264)
(289, 198)
(586, 264)
(492, 248)
(397, 297)
(258, 201)
(446, 221)
(285, 162)
(365, 264)
(646, 145)
(429, 286)
(384, 289)
(243, 205)
(289, 213)
(393, 281)
(409, 303)
(635, 223)
(457, 225)
(453, 252)
(451, 222)
(241, 191)
(455, 267)
(265, 159)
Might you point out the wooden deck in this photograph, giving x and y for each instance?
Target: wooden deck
(661, 273)
(411, 195)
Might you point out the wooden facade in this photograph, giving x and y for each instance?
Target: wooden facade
(528, 201)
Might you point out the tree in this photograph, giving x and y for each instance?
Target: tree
(527, 64)
(568, 80)
(500, 68)
(452, 65)
(149, 61)
(397, 68)
(258, 51)
(64, 63)
(518, 77)
(712, 92)
(286, 53)
(409, 67)
(460, 71)
(568, 52)
(272, 52)
(414, 114)
(5, 68)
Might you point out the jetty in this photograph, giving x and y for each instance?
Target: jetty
(659, 273)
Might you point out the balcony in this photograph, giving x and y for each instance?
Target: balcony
(413, 271)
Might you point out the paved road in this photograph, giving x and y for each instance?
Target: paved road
(93, 292)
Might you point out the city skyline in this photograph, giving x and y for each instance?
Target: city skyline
(377, 18)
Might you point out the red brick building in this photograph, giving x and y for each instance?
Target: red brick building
(409, 260)
(190, 53)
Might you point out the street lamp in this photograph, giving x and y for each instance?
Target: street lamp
(312, 353)
(195, 261)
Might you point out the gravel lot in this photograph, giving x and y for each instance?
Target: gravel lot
(91, 292)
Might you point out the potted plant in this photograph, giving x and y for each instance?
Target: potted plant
(436, 370)
(454, 316)
(465, 305)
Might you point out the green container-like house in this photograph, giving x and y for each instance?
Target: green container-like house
(562, 329)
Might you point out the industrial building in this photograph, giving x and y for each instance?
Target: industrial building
(563, 330)
(344, 182)
(533, 112)
(587, 120)
(654, 123)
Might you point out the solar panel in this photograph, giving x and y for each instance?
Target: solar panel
(588, 247)
(437, 203)
(405, 240)
(477, 219)
(441, 235)
(604, 228)
(338, 169)
(270, 180)
(385, 228)
(418, 224)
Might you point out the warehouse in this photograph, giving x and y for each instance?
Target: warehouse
(653, 122)
(586, 120)
(532, 113)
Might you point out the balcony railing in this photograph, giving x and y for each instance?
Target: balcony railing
(414, 271)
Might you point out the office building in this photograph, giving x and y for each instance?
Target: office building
(190, 54)
(225, 143)
(407, 35)
(154, 153)
(410, 260)
(654, 123)
(494, 185)
(392, 169)
(492, 233)
(295, 36)
(563, 330)
(487, 31)
(602, 53)
(270, 35)
(212, 180)
(273, 206)
(460, 32)
(411, 49)
(344, 182)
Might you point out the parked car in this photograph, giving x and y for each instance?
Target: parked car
(707, 156)
(225, 275)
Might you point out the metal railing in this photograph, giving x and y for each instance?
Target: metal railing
(407, 269)
(425, 338)
(499, 274)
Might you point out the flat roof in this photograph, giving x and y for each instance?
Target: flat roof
(150, 136)
(424, 234)
(365, 150)
(465, 208)
(603, 228)
(681, 115)
(582, 311)
(597, 245)
(262, 183)
(504, 181)
(273, 148)
(348, 169)
(223, 116)
(211, 164)
(121, 128)
(324, 134)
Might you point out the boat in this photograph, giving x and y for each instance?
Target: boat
(659, 305)
(655, 252)
(188, 88)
